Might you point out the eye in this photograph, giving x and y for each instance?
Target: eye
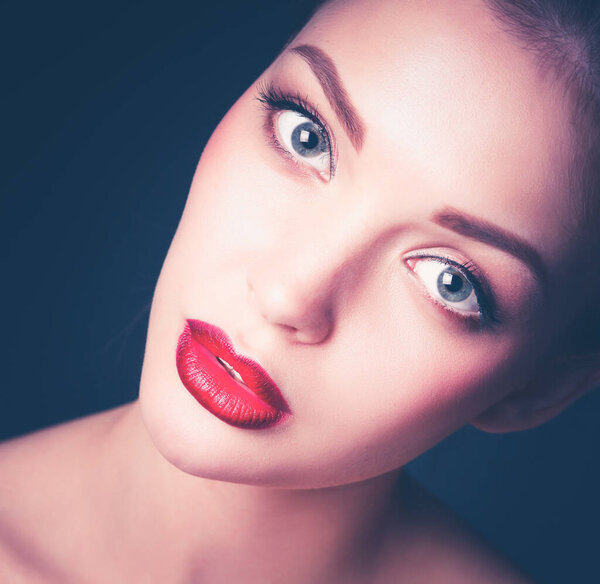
(449, 284)
(297, 131)
(303, 139)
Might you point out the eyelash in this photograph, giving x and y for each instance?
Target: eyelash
(488, 312)
(275, 100)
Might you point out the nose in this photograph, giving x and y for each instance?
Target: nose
(297, 286)
(309, 319)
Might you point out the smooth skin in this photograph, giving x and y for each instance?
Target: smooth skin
(316, 275)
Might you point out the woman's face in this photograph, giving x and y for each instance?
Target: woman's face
(382, 241)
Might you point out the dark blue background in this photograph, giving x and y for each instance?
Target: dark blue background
(105, 110)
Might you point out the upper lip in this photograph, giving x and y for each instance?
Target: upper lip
(253, 375)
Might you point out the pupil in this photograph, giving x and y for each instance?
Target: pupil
(452, 283)
(453, 286)
(307, 140)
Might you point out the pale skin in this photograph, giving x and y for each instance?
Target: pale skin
(314, 275)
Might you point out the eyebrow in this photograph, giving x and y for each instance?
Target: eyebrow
(324, 69)
(491, 234)
(326, 72)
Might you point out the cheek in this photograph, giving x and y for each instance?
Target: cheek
(403, 382)
(241, 198)
(224, 217)
(394, 378)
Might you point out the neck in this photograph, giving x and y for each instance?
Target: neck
(233, 532)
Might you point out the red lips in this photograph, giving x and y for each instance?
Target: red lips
(210, 369)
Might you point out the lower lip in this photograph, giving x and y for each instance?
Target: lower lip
(214, 388)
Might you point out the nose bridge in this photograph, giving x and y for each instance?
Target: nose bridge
(298, 281)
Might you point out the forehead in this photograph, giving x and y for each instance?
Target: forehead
(456, 108)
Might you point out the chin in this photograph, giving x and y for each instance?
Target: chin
(200, 445)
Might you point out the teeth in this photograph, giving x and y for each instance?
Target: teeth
(230, 370)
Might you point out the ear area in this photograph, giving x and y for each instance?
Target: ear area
(543, 399)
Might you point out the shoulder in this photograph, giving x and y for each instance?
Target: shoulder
(42, 475)
(430, 543)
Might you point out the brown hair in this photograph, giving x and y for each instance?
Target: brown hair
(565, 36)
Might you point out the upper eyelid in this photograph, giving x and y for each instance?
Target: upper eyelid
(276, 143)
(471, 272)
(275, 99)
(325, 70)
(477, 280)
(456, 315)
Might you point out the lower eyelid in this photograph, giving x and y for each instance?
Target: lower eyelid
(271, 136)
(472, 273)
(269, 126)
(287, 156)
(275, 101)
(472, 321)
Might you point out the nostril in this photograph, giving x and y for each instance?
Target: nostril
(303, 317)
(315, 334)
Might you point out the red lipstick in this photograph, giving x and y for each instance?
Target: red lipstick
(231, 386)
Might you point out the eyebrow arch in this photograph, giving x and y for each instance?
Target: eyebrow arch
(326, 72)
(491, 234)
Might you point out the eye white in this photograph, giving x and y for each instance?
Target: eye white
(304, 140)
(447, 284)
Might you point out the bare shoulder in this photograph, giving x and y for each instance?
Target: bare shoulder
(49, 459)
(41, 476)
(431, 544)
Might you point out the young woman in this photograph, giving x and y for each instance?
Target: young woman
(373, 254)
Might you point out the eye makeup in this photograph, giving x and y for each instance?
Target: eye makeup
(274, 101)
(487, 311)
